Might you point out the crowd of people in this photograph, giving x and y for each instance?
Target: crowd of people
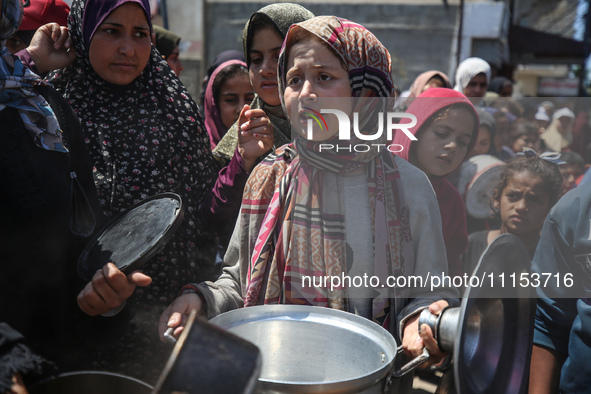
(96, 120)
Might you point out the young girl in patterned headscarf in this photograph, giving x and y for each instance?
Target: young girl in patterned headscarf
(309, 212)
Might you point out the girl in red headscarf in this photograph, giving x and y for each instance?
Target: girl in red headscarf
(446, 131)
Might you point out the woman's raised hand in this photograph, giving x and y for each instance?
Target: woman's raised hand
(255, 135)
(413, 342)
(50, 48)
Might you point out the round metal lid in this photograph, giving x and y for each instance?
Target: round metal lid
(134, 237)
(496, 323)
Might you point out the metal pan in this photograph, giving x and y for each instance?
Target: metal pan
(90, 382)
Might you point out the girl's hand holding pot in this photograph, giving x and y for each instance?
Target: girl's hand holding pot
(413, 342)
(176, 314)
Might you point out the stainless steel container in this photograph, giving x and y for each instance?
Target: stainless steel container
(309, 349)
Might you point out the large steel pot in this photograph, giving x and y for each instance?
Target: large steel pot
(91, 382)
(307, 349)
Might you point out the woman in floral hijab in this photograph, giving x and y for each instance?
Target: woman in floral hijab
(145, 137)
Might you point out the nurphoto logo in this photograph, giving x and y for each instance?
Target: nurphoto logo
(315, 125)
(317, 117)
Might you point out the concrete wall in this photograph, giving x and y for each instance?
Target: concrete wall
(418, 38)
(420, 34)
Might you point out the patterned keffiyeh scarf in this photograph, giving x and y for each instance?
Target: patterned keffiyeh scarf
(297, 205)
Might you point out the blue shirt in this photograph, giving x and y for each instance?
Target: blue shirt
(563, 317)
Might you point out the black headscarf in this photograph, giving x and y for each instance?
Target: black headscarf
(144, 138)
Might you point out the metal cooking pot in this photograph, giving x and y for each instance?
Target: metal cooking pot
(308, 349)
(91, 382)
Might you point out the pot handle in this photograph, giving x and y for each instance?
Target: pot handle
(406, 368)
(412, 364)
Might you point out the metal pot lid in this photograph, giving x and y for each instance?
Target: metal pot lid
(133, 237)
(313, 349)
(496, 324)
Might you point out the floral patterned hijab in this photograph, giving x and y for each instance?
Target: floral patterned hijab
(132, 130)
(144, 138)
(299, 234)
